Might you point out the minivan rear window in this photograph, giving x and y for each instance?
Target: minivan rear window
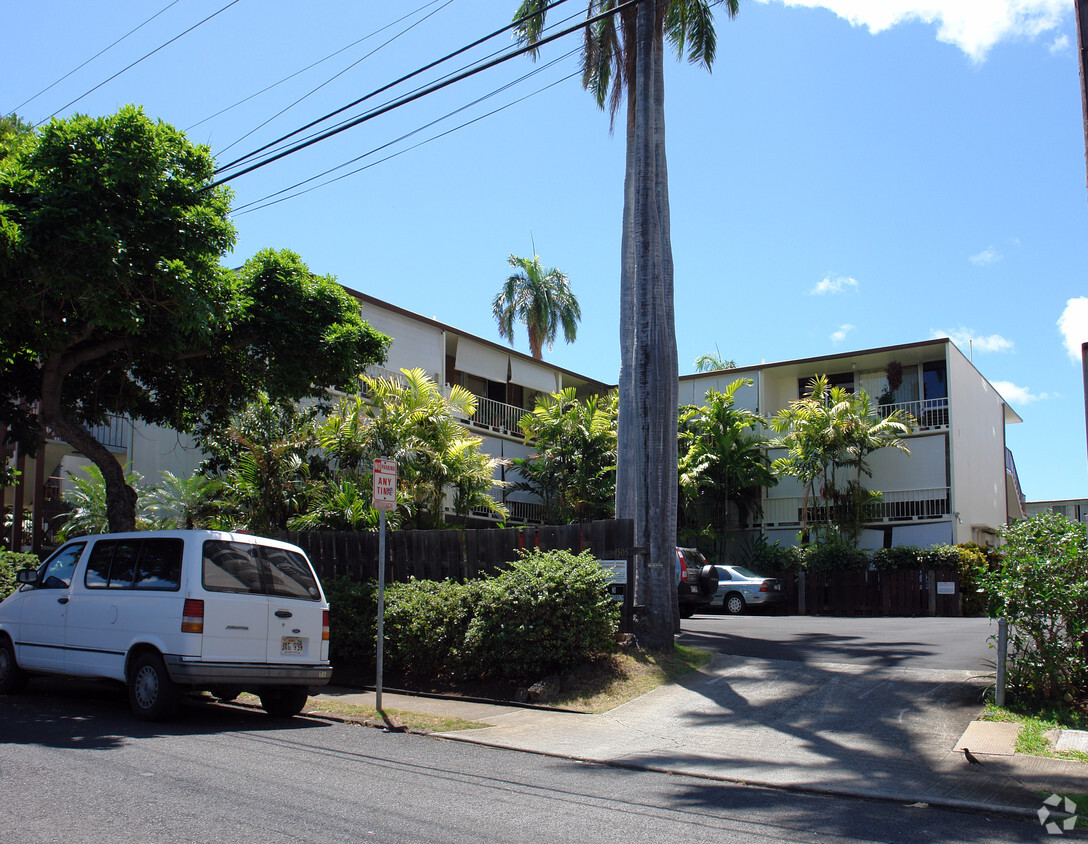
(240, 567)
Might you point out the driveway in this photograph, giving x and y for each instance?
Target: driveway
(922, 643)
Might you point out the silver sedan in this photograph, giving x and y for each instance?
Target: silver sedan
(740, 588)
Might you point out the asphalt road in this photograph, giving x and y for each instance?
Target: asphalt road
(943, 643)
(75, 767)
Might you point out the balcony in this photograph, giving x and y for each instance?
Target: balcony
(930, 414)
(896, 506)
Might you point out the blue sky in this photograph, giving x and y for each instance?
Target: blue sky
(852, 174)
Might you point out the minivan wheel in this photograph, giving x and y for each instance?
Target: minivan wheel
(733, 603)
(152, 695)
(284, 702)
(12, 677)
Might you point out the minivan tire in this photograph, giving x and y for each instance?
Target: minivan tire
(152, 695)
(284, 702)
(12, 677)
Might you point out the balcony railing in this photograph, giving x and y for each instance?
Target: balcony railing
(497, 416)
(928, 413)
(903, 505)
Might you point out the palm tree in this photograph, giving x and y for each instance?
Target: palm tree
(541, 299)
(713, 361)
(624, 52)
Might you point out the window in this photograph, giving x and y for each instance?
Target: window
(839, 379)
(258, 570)
(58, 569)
(934, 380)
(135, 563)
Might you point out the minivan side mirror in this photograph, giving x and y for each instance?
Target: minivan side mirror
(28, 576)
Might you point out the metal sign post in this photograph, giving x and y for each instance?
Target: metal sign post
(385, 498)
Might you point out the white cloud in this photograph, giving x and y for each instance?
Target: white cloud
(968, 341)
(974, 26)
(834, 285)
(987, 256)
(840, 335)
(1015, 395)
(1059, 44)
(1073, 324)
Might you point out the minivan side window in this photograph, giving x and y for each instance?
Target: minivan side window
(57, 571)
(135, 563)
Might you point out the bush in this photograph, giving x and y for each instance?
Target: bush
(545, 614)
(353, 623)
(1041, 588)
(11, 562)
(426, 624)
(833, 556)
(765, 558)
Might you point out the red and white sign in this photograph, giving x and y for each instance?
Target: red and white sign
(385, 484)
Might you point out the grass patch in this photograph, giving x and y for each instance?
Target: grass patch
(1032, 727)
(621, 677)
(420, 721)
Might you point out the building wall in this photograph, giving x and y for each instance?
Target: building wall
(977, 436)
(415, 344)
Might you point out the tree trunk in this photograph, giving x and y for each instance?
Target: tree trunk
(120, 497)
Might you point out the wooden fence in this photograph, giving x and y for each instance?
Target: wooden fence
(455, 554)
(890, 593)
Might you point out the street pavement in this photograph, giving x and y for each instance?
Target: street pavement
(885, 732)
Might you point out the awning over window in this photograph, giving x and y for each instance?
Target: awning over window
(482, 361)
(532, 376)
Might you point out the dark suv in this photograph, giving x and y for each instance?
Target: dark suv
(698, 581)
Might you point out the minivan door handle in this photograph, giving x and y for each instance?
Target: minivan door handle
(283, 614)
(62, 600)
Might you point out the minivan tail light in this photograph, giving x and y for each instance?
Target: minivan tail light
(192, 616)
(325, 626)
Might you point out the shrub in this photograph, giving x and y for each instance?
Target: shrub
(834, 556)
(11, 562)
(765, 558)
(898, 558)
(426, 623)
(353, 622)
(545, 614)
(1041, 588)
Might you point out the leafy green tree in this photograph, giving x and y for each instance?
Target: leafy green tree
(185, 503)
(13, 131)
(573, 469)
(110, 246)
(540, 298)
(1041, 588)
(409, 420)
(829, 435)
(624, 54)
(723, 462)
(87, 501)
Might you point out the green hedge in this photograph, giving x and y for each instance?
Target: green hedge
(546, 614)
(11, 562)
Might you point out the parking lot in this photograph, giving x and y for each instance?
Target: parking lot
(931, 643)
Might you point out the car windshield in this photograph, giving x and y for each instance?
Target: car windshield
(743, 572)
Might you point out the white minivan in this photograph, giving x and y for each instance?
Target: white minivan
(167, 612)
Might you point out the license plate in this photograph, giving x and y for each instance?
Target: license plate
(291, 646)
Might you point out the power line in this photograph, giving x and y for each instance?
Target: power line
(311, 66)
(336, 76)
(238, 161)
(148, 55)
(258, 204)
(422, 93)
(96, 55)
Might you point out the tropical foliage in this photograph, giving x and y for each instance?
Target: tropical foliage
(723, 464)
(828, 436)
(573, 467)
(712, 362)
(541, 299)
(86, 499)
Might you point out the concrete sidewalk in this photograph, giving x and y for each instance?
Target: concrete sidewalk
(888, 733)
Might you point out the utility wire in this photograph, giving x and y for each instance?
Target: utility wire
(95, 56)
(148, 55)
(263, 201)
(447, 76)
(238, 161)
(336, 76)
(424, 92)
(311, 66)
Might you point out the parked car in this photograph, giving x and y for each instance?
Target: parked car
(696, 581)
(740, 588)
(167, 612)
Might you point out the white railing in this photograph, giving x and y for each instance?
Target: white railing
(497, 416)
(375, 371)
(900, 505)
(928, 413)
